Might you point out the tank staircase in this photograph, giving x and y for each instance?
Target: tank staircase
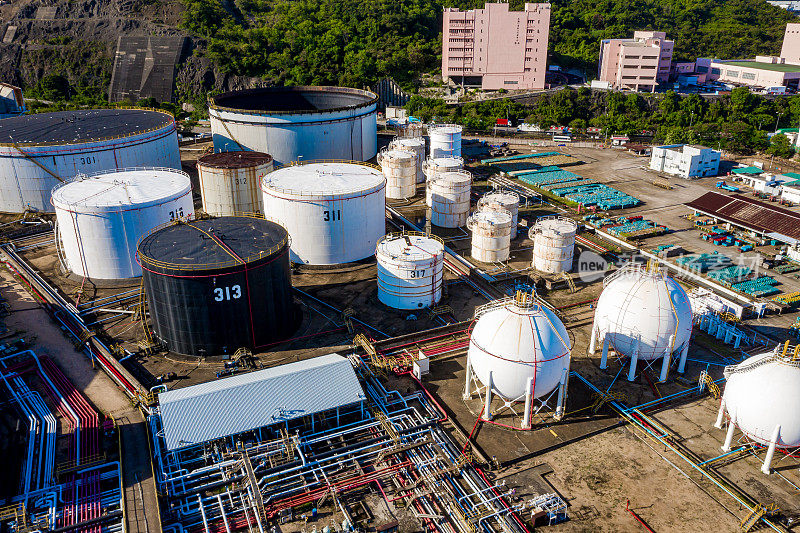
(570, 282)
(749, 521)
(706, 382)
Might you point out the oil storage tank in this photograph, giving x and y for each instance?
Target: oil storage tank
(400, 168)
(100, 218)
(448, 194)
(553, 244)
(335, 212)
(433, 167)
(491, 235)
(410, 270)
(216, 285)
(39, 151)
(445, 140)
(290, 123)
(518, 349)
(230, 182)
(500, 200)
(416, 145)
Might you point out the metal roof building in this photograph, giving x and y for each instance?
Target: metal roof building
(229, 406)
(759, 217)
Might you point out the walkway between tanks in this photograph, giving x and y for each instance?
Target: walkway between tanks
(26, 315)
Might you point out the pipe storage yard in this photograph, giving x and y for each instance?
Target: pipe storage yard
(333, 361)
(39, 151)
(101, 218)
(290, 123)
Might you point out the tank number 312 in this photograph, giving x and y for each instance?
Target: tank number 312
(233, 292)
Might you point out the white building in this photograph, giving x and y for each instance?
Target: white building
(685, 160)
(11, 102)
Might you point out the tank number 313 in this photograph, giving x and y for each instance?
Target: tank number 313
(233, 292)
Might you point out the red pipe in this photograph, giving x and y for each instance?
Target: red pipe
(637, 517)
(471, 433)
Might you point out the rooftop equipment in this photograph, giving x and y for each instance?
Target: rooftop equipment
(100, 218)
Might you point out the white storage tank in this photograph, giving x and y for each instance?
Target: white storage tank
(517, 340)
(445, 140)
(491, 235)
(416, 145)
(432, 167)
(644, 311)
(553, 244)
(762, 393)
(449, 195)
(410, 270)
(39, 151)
(400, 168)
(230, 182)
(500, 200)
(100, 218)
(335, 212)
(290, 123)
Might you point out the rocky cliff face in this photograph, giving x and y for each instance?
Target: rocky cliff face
(78, 38)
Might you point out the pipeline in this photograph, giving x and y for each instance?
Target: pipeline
(637, 517)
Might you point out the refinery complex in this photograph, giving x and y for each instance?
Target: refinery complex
(311, 322)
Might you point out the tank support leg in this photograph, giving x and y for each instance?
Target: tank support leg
(684, 355)
(562, 395)
(487, 407)
(467, 383)
(667, 359)
(776, 433)
(604, 358)
(720, 415)
(593, 341)
(729, 437)
(634, 360)
(526, 420)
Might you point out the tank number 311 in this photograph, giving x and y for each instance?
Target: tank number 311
(233, 292)
(332, 215)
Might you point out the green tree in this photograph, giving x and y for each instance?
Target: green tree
(780, 146)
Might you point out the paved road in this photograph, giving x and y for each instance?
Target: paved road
(141, 505)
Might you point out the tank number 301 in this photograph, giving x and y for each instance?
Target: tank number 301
(233, 292)
(332, 215)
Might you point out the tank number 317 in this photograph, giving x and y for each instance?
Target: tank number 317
(233, 292)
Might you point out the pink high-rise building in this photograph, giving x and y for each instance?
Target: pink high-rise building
(638, 64)
(790, 51)
(495, 48)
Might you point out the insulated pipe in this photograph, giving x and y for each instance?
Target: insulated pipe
(776, 434)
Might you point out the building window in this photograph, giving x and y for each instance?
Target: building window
(702, 70)
(748, 75)
(509, 82)
(715, 71)
(732, 73)
(628, 77)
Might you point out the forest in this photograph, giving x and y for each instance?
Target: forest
(737, 122)
(356, 42)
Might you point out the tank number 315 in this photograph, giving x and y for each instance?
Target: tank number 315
(233, 292)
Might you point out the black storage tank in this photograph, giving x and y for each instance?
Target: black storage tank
(216, 285)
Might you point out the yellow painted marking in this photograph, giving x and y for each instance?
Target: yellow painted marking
(554, 433)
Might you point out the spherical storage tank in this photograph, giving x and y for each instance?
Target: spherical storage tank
(230, 182)
(410, 270)
(440, 165)
(39, 151)
(416, 145)
(445, 140)
(400, 169)
(100, 218)
(216, 285)
(491, 235)
(642, 309)
(763, 392)
(553, 244)
(517, 339)
(502, 201)
(449, 198)
(335, 212)
(290, 123)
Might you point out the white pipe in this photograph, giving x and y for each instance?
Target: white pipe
(776, 434)
(224, 516)
(526, 420)
(203, 513)
(729, 437)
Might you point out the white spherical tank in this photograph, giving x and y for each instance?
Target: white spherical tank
(290, 123)
(502, 201)
(101, 218)
(334, 211)
(410, 270)
(400, 168)
(440, 165)
(763, 392)
(553, 244)
(416, 145)
(445, 140)
(642, 309)
(39, 151)
(517, 340)
(230, 182)
(449, 193)
(491, 235)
